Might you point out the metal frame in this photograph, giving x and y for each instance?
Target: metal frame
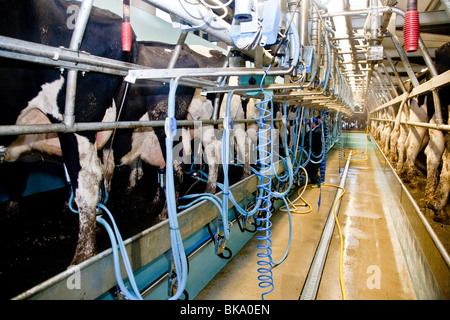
(75, 61)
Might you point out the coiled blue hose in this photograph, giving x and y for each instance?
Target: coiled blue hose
(264, 157)
(325, 131)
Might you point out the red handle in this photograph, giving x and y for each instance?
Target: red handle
(411, 30)
(126, 36)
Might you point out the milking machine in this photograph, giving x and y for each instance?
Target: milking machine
(256, 24)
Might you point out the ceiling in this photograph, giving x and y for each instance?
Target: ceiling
(435, 31)
(353, 42)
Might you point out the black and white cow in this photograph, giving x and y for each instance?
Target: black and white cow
(33, 93)
(145, 101)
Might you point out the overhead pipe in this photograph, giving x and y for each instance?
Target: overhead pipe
(303, 22)
(424, 51)
(349, 28)
(203, 18)
(374, 22)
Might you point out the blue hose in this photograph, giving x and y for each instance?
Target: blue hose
(179, 255)
(116, 241)
(265, 269)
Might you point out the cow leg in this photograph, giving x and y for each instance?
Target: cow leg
(213, 154)
(393, 145)
(439, 201)
(86, 175)
(240, 137)
(136, 174)
(433, 151)
(401, 147)
(415, 140)
(108, 168)
(178, 181)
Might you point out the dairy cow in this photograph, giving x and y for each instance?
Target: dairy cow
(35, 94)
(438, 149)
(407, 143)
(145, 101)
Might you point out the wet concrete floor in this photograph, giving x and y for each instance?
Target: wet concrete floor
(373, 266)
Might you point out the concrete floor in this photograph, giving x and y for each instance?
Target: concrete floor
(373, 264)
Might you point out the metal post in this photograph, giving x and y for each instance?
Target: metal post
(75, 43)
(394, 69)
(383, 85)
(176, 51)
(405, 61)
(391, 83)
(446, 4)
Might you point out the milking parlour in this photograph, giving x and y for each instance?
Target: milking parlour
(236, 151)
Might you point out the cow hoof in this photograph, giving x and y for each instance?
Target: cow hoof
(210, 189)
(245, 175)
(163, 215)
(80, 257)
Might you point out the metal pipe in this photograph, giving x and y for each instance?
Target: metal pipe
(391, 83)
(311, 286)
(205, 19)
(177, 50)
(442, 127)
(75, 43)
(394, 69)
(153, 74)
(383, 85)
(304, 18)
(404, 58)
(7, 130)
(446, 4)
(61, 57)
